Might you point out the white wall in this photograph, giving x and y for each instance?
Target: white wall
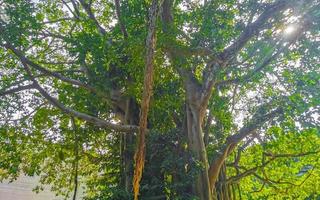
(22, 190)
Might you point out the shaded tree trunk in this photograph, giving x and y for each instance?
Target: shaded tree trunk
(197, 146)
(127, 145)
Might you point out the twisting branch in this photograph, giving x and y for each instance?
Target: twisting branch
(147, 92)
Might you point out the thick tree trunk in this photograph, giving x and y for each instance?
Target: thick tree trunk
(197, 146)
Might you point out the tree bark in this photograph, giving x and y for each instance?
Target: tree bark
(197, 146)
(195, 114)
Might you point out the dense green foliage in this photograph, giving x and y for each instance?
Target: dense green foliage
(65, 65)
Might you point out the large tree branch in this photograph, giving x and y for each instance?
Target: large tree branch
(253, 29)
(283, 46)
(91, 119)
(251, 74)
(179, 53)
(258, 120)
(54, 74)
(97, 121)
(222, 60)
(94, 120)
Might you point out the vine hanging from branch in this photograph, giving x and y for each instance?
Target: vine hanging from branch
(147, 92)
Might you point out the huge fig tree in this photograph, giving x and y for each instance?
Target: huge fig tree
(162, 99)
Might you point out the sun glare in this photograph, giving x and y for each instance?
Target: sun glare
(289, 30)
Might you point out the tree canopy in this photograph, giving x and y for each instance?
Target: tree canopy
(162, 99)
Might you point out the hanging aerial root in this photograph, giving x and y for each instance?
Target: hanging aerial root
(147, 92)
